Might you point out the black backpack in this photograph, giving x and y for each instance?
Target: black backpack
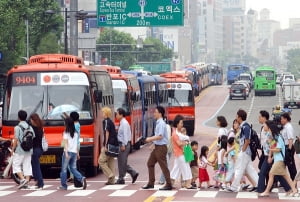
(27, 139)
(254, 143)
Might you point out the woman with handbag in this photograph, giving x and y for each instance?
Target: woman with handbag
(181, 167)
(106, 158)
(37, 126)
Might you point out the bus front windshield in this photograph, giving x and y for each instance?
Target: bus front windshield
(269, 75)
(121, 99)
(180, 98)
(49, 101)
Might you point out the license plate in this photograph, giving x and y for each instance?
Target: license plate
(237, 91)
(48, 159)
(265, 86)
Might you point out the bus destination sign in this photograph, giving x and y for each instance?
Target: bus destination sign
(140, 13)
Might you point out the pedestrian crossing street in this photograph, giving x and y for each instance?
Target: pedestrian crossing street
(130, 190)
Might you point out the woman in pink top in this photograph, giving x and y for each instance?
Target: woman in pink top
(181, 167)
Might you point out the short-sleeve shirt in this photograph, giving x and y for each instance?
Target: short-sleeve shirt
(203, 162)
(72, 141)
(230, 158)
(161, 130)
(288, 133)
(177, 150)
(18, 134)
(222, 131)
(195, 161)
(109, 126)
(278, 156)
(245, 135)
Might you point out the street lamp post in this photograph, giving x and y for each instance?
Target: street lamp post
(79, 15)
(66, 30)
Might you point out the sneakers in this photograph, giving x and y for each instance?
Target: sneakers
(84, 183)
(229, 189)
(23, 183)
(62, 188)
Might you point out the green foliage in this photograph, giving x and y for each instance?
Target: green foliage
(154, 51)
(48, 44)
(293, 62)
(123, 51)
(13, 14)
(117, 47)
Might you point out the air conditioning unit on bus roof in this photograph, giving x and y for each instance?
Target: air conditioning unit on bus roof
(55, 58)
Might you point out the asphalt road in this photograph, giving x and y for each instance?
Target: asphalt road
(212, 101)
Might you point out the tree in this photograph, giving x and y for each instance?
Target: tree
(117, 47)
(13, 30)
(154, 51)
(293, 62)
(48, 44)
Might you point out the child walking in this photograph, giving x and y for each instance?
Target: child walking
(231, 161)
(194, 164)
(203, 174)
(222, 163)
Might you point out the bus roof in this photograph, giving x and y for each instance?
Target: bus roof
(122, 76)
(265, 68)
(110, 69)
(175, 77)
(54, 63)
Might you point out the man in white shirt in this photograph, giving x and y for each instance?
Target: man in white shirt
(124, 138)
(289, 137)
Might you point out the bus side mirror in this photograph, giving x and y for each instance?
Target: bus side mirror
(171, 93)
(133, 96)
(98, 96)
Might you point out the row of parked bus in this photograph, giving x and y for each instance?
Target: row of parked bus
(203, 75)
(53, 84)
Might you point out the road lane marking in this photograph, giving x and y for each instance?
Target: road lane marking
(251, 106)
(215, 114)
(202, 94)
(168, 199)
(150, 199)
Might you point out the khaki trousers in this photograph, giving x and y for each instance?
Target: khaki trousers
(107, 164)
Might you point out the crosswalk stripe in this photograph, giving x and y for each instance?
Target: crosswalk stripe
(81, 193)
(123, 193)
(41, 193)
(6, 187)
(4, 193)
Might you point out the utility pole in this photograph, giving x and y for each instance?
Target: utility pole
(73, 28)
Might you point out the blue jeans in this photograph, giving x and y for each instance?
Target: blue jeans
(36, 168)
(263, 175)
(71, 162)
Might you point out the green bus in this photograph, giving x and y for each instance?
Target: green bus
(265, 81)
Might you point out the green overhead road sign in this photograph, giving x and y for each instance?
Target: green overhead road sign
(139, 13)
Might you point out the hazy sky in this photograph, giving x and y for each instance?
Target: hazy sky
(281, 10)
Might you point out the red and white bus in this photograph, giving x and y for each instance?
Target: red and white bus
(52, 84)
(127, 95)
(180, 99)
